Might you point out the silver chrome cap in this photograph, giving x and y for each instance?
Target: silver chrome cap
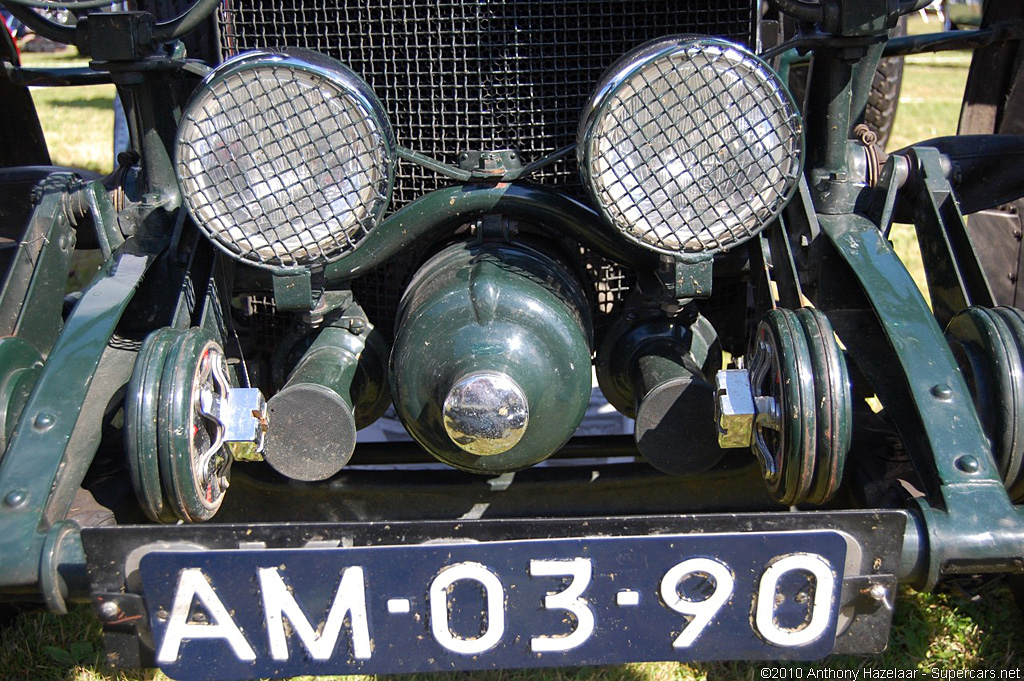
(485, 413)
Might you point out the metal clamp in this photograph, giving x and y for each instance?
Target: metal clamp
(735, 411)
(241, 412)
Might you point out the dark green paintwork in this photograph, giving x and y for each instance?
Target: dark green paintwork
(91, 199)
(141, 408)
(969, 523)
(293, 289)
(627, 341)
(952, 269)
(453, 206)
(350, 358)
(20, 364)
(832, 404)
(33, 292)
(177, 427)
(988, 344)
(493, 307)
(29, 469)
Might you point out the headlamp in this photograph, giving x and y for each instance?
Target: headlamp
(690, 144)
(285, 159)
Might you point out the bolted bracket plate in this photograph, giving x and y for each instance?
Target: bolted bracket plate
(686, 276)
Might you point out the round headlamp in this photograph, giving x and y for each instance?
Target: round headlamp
(285, 159)
(690, 144)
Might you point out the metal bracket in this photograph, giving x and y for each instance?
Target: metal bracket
(490, 164)
(293, 289)
(685, 277)
(117, 36)
(955, 277)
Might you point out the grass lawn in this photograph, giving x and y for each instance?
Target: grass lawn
(969, 624)
(78, 122)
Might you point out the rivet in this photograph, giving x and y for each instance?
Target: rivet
(942, 391)
(15, 498)
(967, 464)
(44, 421)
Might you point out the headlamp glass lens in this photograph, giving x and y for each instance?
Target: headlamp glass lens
(284, 165)
(694, 149)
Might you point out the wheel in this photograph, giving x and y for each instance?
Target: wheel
(194, 464)
(140, 423)
(988, 345)
(802, 395)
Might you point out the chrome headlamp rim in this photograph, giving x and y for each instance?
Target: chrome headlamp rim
(618, 76)
(346, 81)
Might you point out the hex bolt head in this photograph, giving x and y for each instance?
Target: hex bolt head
(967, 464)
(878, 592)
(942, 391)
(15, 498)
(109, 611)
(44, 421)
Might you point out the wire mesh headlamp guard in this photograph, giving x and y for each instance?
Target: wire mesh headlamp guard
(285, 158)
(690, 144)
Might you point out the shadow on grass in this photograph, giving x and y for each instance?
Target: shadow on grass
(102, 103)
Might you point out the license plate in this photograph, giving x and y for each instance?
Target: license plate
(234, 614)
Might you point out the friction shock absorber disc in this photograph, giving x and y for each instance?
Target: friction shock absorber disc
(783, 388)
(988, 345)
(833, 404)
(140, 423)
(194, 464)
(802, 391)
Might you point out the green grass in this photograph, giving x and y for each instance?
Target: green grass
(78, 122)
(969, 625)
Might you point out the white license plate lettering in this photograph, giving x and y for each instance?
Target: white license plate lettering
(193, 586)
(270, 611)
(820, 606)
(349, 600)
(494, 602)
(579, 570)
(702, 611)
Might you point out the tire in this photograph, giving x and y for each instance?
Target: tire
(880, 112)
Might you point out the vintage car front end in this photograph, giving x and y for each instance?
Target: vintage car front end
(460, 221)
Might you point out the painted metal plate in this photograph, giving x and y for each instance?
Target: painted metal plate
(246, 613)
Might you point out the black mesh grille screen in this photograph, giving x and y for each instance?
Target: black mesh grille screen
(478, 75)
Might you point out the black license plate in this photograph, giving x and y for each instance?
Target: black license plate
(234, 614)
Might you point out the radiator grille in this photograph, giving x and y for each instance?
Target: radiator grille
(478, 75)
